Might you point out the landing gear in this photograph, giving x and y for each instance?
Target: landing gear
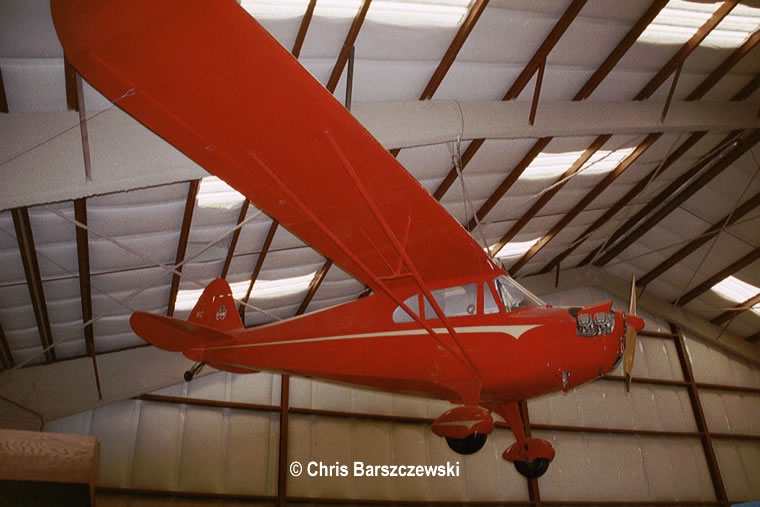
(468, 445)
(531, 456)
(189, 374)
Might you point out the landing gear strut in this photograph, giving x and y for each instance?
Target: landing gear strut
(531, 456)
(189, 374)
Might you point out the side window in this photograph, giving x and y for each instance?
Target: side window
(454, 301)
(489, 304)
(400, 315)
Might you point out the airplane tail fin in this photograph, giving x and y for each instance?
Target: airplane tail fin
(212, 318)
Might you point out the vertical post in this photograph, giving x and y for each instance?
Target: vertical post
(350, 78)
(699, 417)
(534, 494)
(282, 463)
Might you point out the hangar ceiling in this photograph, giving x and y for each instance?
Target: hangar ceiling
(633, 148)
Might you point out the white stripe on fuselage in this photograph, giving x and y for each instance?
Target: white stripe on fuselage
(515, 332)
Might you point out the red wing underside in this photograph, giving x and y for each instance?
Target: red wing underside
(211, 81)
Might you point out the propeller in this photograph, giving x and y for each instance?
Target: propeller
(631, 331)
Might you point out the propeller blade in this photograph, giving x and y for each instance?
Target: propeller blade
(630, 340)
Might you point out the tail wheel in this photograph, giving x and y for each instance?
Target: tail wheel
(534, 468)
(468, 445)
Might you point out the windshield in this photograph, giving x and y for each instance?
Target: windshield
(514, 295)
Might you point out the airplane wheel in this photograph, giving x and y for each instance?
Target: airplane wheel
(469, 444)
(533, 468)
(188, 376)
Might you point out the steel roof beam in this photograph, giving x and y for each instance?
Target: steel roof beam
(234, 240)
(703, 238)
(316, 282)
(305, 22)
(518, 86)
(72, 90)
(353, 33)
(451, 53)
(184, 237)
(729, 315)
(722, 163)
(3, 97)
(748, 89)
(5, 351)
(257, 268)
(721, 275)
(28, 253)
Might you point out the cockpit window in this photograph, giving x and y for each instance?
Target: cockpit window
(454, 301)
(400, 315)
(512, 294)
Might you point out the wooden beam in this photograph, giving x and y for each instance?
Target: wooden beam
(353, 33)
(626, 200)
(3, 96)
(703, 238)
(305, 22)
(28, 253)
(319, 277)
(5, 351)
(748, 89)
(736, 310)
(685, 50)
(85, 290)
(184, 236)
(234, 240)
(537, 93)
(546, 197)
(257, 268)
(725, 66)
(721, 275)
(518, 86)
(282, 456)
(699, 417)
(451, 53)
(72, 90)
(703, 179)
(620, 50)
(590, 196)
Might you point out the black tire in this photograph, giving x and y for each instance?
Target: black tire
(534, 468)
(188, 376)
(467, 445)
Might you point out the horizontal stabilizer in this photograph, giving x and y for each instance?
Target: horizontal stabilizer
(174, 334)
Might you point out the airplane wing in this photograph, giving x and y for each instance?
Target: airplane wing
(207, 78)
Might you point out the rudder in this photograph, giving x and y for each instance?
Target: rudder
(216, 308)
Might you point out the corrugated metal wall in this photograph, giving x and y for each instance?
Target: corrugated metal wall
(654, 451)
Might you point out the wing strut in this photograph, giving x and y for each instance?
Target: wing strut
(456, 349)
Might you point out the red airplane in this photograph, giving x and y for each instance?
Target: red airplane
(444, 320)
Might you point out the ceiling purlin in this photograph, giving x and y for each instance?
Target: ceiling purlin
(184, 236)
(305, 22)
(28, 252)
(722, 163)
(85, 290)
(586, 90)
(459, 39)
(717, 277)
(257, 268)
(731, 314)
(234, 240)
(673, 64)
(703, 238)
(319, 277)
(590, 196)
(5, 351)
(677, 60)
(3, 97)
(626, 200)
(353, 33)
(517, 87)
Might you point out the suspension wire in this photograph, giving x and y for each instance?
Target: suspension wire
(455, 149)
(112, 104)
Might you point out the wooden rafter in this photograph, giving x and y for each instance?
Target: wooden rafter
(72, 90)
(3, 97)
(724, 273)
(257, 267)
(184, 237)
(703, 238)
(590, 196)
(703, 179)
(517, 87)
(736, 310)
(677, 60)
(459, 39)
(28, 253)
(353, 33)
(5, 351)
(305, 22)
(316, 282)
(85, 290)
(234, 240)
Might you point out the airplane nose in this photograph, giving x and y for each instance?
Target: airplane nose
(635, 321)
